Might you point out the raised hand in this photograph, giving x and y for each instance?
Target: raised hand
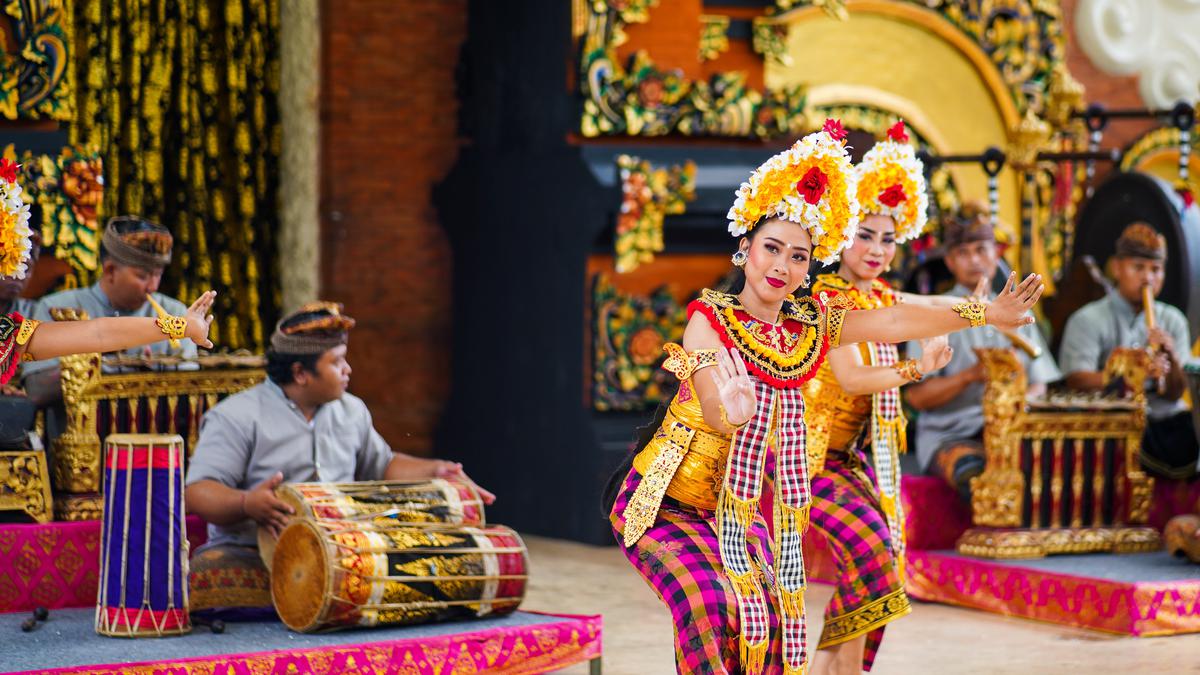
(734, 387)
(199, 319)
(982, 289)
(1010, 310)
(936, 352)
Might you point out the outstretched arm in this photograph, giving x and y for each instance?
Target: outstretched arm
(902, 322)
(858, 379)
(60, 338)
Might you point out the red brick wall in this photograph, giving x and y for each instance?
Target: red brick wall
(388, 127)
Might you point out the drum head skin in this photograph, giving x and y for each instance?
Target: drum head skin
(300, 577)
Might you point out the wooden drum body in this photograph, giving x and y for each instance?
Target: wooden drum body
(144, 547)
(427, 501)
(342, 574)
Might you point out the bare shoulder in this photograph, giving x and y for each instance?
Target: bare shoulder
(700, 334)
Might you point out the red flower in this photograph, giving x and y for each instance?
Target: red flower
(813, 185)
(834, 128)
(893, 195)
(898, 133)
(8, 170)
(1188, 197)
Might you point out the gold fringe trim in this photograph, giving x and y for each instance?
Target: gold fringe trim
(791, 603)
(753, 657)
(888, 504)
(865, 619)
(801, 669)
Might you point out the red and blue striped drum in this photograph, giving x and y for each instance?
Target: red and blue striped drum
(144, 547)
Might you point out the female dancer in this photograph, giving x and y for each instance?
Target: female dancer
(856, 504)
(686, 512)
(25, 339)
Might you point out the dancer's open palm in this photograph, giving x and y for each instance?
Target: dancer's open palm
(734, 387)
(1010, 310)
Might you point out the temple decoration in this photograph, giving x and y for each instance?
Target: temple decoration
(714, 39)
(36, 73)
(1062, 474)
(645, 100)
(1115, 36)
(1157, 152)
(769, 39)
(1023, 39)
(25, 484)
(647, 196)
(627, 347)
(69, 188)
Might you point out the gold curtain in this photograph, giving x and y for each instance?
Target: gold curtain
(180, 97)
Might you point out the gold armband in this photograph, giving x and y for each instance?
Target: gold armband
(909, 369)
(836, 318)
(974, 312)
(26, 330)
(174, 327)
(683, 364)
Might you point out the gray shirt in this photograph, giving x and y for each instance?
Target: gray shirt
(93, 301)
(1099, 327)
(250, 436)
(962, 417)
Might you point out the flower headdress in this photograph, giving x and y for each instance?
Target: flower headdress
(15, 235)
(811, 183)
(891, 182)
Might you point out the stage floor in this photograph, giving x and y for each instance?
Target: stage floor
(1124, 567)
(68, 640)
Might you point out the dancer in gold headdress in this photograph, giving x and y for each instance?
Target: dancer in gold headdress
(685, 509)
(853, 403)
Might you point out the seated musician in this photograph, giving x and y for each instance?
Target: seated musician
(133, 254)
(300, 425)
(950, 401)
(1169, 447)
(17, 411)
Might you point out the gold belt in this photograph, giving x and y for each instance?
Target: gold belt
(680, 461)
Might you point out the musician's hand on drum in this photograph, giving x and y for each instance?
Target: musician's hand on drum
(935, 354)
(261, 504)
(199, 318)
(1010, 310)
(454, 470)
(734, 387)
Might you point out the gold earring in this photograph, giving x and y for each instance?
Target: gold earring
(739, 258)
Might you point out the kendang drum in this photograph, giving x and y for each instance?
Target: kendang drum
(341, 574)
(425, 501)
(144, 547)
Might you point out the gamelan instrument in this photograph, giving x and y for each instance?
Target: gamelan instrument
(144, 547)
(331, 574)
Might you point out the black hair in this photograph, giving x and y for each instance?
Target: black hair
(279, 365)
(617, 479)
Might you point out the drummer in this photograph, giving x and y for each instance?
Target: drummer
(299, 425)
